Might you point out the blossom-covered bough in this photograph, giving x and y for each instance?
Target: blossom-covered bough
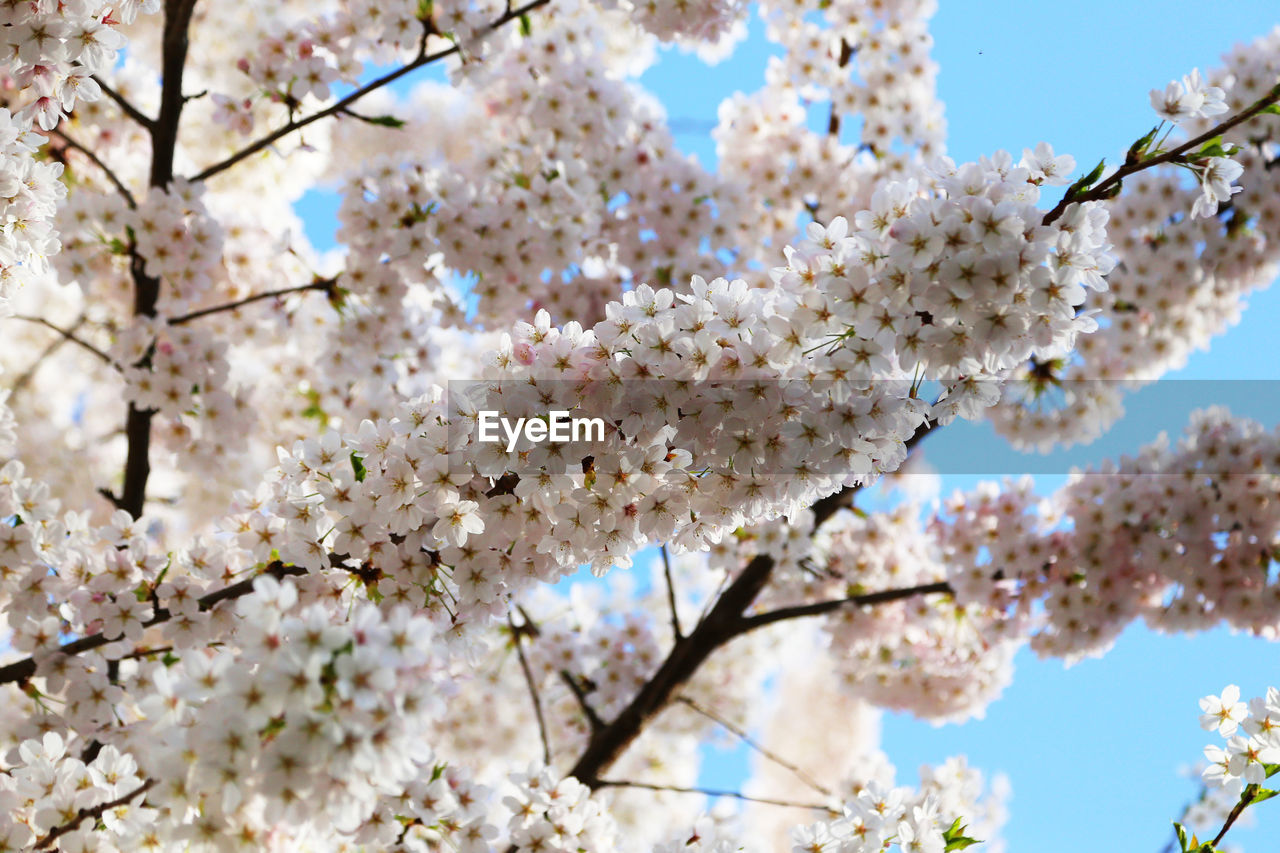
(265, 585)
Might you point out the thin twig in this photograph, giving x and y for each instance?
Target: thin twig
(27, 375)
(760, 748)
(575, 688)
(800, 611)
(327, 285)
(103, 167)
(421, 60)
(95, 813)
(69, 335)
(531, 628)
(1103, 189)
(22, 670)
(671, 593)
(1245, 799)
(712, 792)
(517, 638)
(127, 108)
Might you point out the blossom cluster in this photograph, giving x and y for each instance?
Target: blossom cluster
(1252, 732)
(578, 183)
(1180, 280)
(48, 788)
(318, 655)
(29, 194)
(55, 49)
(1174, 536)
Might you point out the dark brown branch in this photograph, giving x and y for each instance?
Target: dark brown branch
(593, 719)
(125, 106)
(69, 335)
(164, 142)
(421, 60)
(26, 668)
(671, 593)
(95, 813)
(712, 792)
(846, 53)
(722, 622)
(102, 167)
(760, 748)
(1105, 188)
(801, 611)
(328, 285)
(720, 625)
(518, 640)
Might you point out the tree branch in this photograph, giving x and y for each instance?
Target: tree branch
(26, 668)
(593, 719)
(164, 142)
(1245, 799)
(846, 53)
(671, 593)
(712, 792)
(23, 378)
(95, 813)
(328, 285)
(421, 60)
(127, 108)
(97, 161)
(517, 637)
(759, 620)
(749, 741)
(723, 622)
(1104, 188)
(68, 334)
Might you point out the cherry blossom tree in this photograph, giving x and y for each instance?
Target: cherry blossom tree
(268, 585)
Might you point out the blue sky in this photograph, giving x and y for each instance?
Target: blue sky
(1093, 751)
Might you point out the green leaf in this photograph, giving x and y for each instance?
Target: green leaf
(526, 28)
(955, 837)
(1139, 148)
(1182, 836)
(1273, 109)
(357, 465)
(381, 121)
(1214, 148)
(273, 727)
(1087, 181)
(313, 409)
